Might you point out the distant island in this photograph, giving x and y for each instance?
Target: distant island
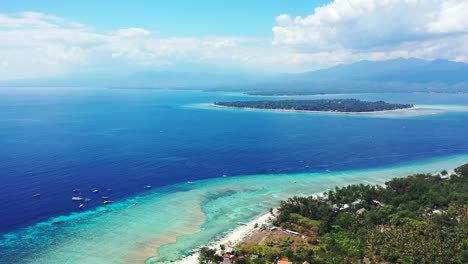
(321, 105)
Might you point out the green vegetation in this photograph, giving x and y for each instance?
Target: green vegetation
(418, 219)
(208, 256)
(334, 105)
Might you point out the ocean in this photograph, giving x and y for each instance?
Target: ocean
(208, 167)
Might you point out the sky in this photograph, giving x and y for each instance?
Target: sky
(53, 38)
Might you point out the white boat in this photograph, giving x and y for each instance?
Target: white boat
(108, 202)
(95, 191)
(148, 187)
(77, 198)
(81, 206)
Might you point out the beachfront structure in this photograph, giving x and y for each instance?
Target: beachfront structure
(378, 203)
(228, 258)
(228, 250)
(323, 198)
(269, 227)
(284, 261)
(344, 207)
(444, 177)
(291, 232)
(360, 211)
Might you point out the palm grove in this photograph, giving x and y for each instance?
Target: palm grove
(418, 219)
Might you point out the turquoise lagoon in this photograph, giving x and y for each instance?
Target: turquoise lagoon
(183, 216)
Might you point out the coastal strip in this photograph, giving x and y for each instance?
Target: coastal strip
(116, 232)
(311, 111)
(232, 239)
(415, 111)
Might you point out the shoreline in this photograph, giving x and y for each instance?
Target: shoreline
(231, 239)
(237, 235)
(317, 112)
(251, 195)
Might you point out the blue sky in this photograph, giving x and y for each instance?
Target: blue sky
(172, 17)
(55, 38)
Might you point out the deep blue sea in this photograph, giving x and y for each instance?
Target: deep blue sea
(55, 140)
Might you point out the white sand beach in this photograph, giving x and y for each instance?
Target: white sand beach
(232, 239)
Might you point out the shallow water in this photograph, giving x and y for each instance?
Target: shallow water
(121, 232)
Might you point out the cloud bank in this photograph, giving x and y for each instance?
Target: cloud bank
(379, 29)
(37, 45)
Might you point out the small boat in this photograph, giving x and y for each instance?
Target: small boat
(105, 197)
(87, 200)
(224, 175)
(328, 171)
(36, 195)
(148, 187)
(81, 206)
(77, 198)
(76, 190)
(108, 202)
(95, 191)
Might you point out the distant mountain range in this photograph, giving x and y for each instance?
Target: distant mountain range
(397, 70)
(398, 75)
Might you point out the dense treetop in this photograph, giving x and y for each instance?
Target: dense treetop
(422, 218)
(325, 105)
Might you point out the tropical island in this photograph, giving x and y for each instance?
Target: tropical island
(421, 218)
(320, 105)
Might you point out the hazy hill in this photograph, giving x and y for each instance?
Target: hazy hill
(398, 75)
(397, 70)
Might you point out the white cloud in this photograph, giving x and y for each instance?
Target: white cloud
(366, 24)
(345, 31)
(35, 44)
(452, 18)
